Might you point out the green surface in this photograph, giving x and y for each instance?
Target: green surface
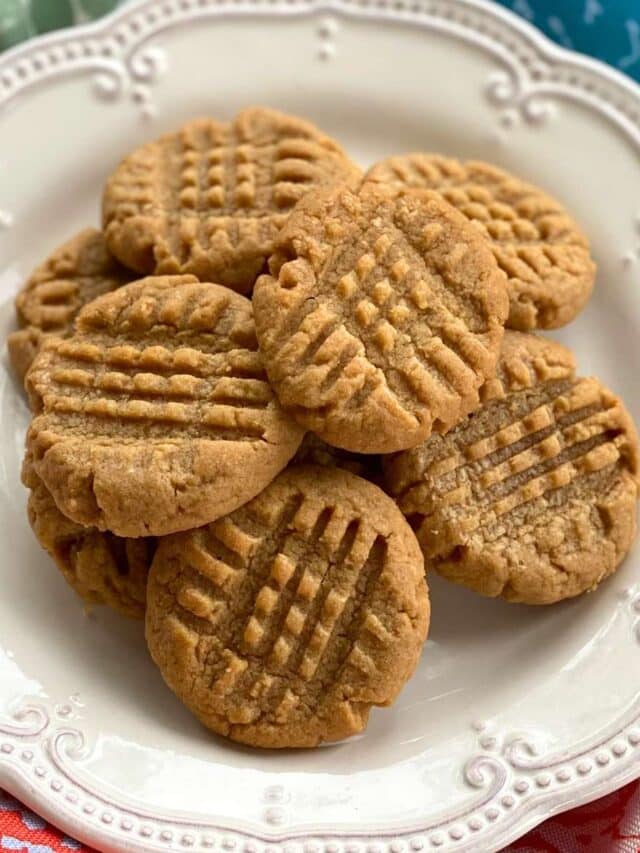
(22, 19)
(96, 8)
(15, 25)
(51, 14)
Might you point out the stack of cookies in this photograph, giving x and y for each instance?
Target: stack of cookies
(273, 390)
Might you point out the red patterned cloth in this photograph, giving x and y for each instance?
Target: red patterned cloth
(609, 825)
(23, 831)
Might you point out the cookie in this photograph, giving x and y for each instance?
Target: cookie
(74, 274)
(539, 246)
(100, 567)
(533, 497)
(155, 414)
(210, 198)
(284, 623)
(314, 451)
(381, 318)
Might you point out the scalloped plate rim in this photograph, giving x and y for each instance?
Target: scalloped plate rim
(538, 808)
(544, 44)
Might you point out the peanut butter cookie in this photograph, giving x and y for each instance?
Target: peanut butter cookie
(381, 318)
(540, 247)
(74, 274)
(155, 414)
(282, 624)
(210, 198)
(532, 497)
(100, 567)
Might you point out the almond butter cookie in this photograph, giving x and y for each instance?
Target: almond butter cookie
(155, 414)
(210, 198)
(282, 624)
(532, 497)
(74, 274)
(540, 247)
(381, 318)
(100, 567)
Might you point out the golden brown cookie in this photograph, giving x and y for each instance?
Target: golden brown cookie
(314, 451)
(210, 198)
(381, 318)
(155, 414)
(540, 247)
(74, 274)
(533, 497)
(100, 567)
(282, 624)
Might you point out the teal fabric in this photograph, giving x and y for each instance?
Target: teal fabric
(607, 29)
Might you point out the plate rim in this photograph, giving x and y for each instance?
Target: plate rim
(132, 70)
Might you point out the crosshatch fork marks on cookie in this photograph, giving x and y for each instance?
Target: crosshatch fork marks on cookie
(133, 403)
(117, 381)
(212, 170)
(378, 310)
(384, 308)
(370, 331)
(211, 197)
(512, 453)
(144, 412)
(480, 192)
(289, 599)
(286, 613)
(279, 609)
(536, 243)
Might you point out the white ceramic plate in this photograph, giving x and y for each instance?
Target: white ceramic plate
(515, 713)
